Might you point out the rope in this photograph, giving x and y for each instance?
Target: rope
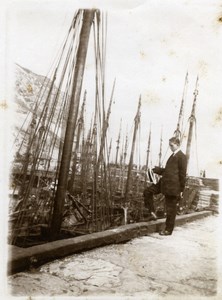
(45, 121)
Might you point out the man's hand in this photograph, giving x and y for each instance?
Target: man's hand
(156, 170)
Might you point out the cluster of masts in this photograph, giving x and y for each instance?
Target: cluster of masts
(58, 123)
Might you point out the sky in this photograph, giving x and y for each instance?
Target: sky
(150, 47)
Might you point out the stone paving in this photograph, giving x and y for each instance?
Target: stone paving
(186, 264)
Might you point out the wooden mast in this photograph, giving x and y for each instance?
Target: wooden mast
(123, 166)
(177, 132)
(137, 121)
(117, 145)
(104, 130)
(87, 19)
(161, 145)
(147, 157)
(80, 126)
(116, 160)
(192, 120)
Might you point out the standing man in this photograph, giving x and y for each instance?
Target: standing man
(172, 182)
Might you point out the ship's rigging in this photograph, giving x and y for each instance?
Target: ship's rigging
(56, 120)
(66, 180)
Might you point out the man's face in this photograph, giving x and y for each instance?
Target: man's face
(173, 146)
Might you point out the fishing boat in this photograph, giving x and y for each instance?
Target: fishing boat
(63, 182)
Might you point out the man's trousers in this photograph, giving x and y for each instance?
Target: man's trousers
(171, 211)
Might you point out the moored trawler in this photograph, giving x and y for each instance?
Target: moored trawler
(63, 182)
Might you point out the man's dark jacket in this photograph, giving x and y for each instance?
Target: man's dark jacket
(173, 175)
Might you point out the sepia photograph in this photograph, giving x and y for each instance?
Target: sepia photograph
(111, 122)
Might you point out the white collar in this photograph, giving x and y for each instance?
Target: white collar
(175, 152)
